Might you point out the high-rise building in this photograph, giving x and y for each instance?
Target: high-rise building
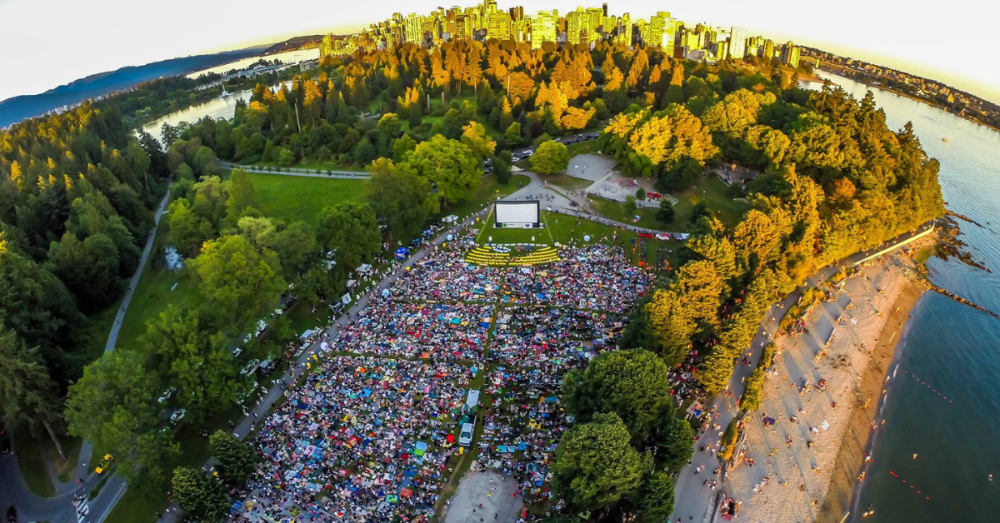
(595, 24)
(790, 55)
(605, 9)
(463, 27)
(413, 28)
(625, 30)
(660, 31)
(737, 43)
(576, 26)
(516, 13)
(722, 49)
(498, 25)
(543, 28)
(767, 52)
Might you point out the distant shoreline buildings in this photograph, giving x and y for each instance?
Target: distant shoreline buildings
(486, 21)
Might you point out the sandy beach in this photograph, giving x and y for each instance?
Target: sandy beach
(804, 469)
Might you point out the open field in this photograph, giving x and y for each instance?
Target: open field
(716, 195)
(562, 228)
(297, 198)
(616, 211)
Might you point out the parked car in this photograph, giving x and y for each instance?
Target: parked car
(250, 368)
(465, 436)
(662, 236)
(177, 415)
(167, 394)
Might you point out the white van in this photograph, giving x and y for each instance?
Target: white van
(465, 437)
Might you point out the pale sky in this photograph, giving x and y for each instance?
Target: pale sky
(47, 43)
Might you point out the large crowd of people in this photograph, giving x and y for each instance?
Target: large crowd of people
(436, 331)
(370, 435)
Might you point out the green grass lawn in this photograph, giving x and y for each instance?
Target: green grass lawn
(32, 464)
(489, 190)
(616, 211)
(66, 468)
(568, 182)
(157, 288)
(587, 147)
(716, 195)
(562, 229)
(298, 198)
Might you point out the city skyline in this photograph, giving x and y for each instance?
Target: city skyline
(890, 35)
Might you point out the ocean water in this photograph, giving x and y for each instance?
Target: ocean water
(944, 400)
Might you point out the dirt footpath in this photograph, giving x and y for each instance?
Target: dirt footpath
(484, 497)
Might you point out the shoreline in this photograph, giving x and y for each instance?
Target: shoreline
(859, 436)
(803, 464)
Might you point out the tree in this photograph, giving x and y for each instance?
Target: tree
(632, 384)
(202, 498)
(402, 148)
(113, 407)
(655, 497)
(513, 134)
(681, 176)
(192, 358)
(665, 214)
(415, 116)
(550, 158)
(474, 136)
(502, 163)
(286, 158)
(398, 197)
(240, 285)
(28, 396)
(350, 229)
(89, 268)
(629, 206)
(640, 193)
(450, 166)
(689, 303)
(187, 230)
(674, 439)
(595, 466)
(242, 194)
(237, 460)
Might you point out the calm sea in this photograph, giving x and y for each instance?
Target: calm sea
(944, 402)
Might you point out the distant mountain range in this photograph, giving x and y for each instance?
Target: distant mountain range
(13, 110)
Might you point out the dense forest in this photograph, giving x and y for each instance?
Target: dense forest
(76, 195)
(77, 191)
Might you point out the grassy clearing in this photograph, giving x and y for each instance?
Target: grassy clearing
(299, 198)
(564, 229)
(32, 464)
(157, 289)
(616, 211)
(586, 147)
(716, 195)
(65, 468)
(568, 182)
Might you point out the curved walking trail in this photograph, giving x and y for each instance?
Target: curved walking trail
(134, 282)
